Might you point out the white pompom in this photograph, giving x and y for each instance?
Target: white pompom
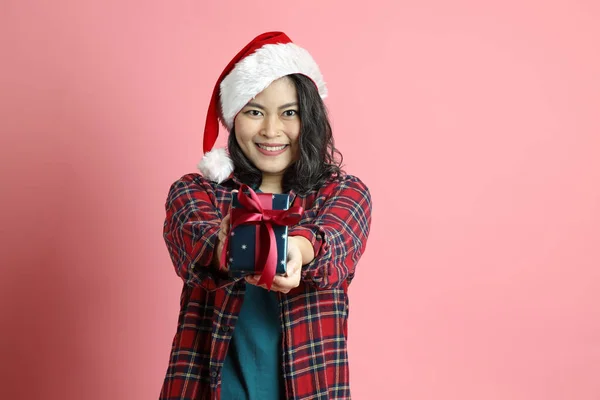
(216, 165)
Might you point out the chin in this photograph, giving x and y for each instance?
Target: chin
(271, 169)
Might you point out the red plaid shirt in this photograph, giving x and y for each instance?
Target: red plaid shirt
(314, 315)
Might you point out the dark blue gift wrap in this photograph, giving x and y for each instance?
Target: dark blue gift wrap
(243, 240)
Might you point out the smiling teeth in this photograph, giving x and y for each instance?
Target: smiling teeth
(271, 148)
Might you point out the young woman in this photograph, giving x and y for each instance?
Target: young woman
(235, 339)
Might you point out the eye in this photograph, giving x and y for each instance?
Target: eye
(253, 113)
(290, 113)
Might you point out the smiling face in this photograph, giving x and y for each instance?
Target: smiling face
(267, 128)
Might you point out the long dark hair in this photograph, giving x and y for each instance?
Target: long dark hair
(317, 162)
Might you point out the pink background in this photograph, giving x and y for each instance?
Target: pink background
(475, 125)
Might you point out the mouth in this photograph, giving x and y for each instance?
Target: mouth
(272, 147)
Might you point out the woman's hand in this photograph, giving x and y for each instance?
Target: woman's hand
(222, 236)
(293, 275)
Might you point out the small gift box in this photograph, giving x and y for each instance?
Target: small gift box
(258, 236)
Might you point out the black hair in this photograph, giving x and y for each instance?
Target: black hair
(317, 162)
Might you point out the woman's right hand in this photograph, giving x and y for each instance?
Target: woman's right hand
(222, 236)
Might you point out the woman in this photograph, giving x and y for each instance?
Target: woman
(235, 339)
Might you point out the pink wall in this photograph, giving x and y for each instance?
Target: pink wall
(475, 125)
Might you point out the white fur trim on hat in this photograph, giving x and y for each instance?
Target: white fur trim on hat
(216, 165)
(256, 72)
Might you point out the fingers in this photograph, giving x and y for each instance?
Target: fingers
(253, 280)
(280, 283)
(294, 262)
(292, 277)
(224, 231)
(224, 228)
(225, 222)
(222, 234)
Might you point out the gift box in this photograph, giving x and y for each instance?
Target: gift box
(258, 236)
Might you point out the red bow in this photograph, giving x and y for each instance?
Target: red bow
(252, 212)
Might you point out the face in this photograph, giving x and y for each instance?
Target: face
(267, 128)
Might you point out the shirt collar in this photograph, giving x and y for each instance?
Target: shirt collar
(234, 181)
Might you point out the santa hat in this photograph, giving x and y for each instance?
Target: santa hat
(266, 58)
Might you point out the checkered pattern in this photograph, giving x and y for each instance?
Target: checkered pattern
(314, 316)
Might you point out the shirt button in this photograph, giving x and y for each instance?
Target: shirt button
(213, 374)
(225, 328)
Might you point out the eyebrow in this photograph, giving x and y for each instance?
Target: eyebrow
(252, 104)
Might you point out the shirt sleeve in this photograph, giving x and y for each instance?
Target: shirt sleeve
(337, 226)
(190, 231)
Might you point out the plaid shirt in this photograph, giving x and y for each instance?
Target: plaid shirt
(314, 315)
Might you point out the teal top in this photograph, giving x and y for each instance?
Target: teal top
(253, 365)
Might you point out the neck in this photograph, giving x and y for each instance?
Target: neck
(271, 184)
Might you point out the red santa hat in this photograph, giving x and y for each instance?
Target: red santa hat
(266, 58)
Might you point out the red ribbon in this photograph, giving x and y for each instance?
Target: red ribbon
(253, 212)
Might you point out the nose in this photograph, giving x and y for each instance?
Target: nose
(271, 127)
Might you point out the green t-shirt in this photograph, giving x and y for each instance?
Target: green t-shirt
(253, 365)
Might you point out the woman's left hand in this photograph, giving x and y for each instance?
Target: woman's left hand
(293, 275)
